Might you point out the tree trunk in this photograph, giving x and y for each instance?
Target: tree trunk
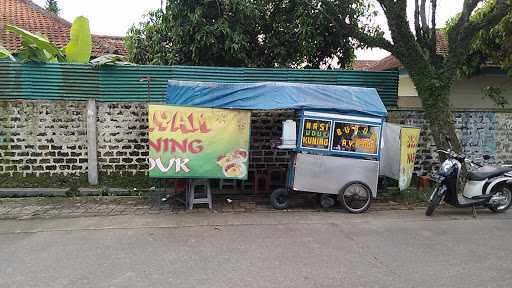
(433, 90)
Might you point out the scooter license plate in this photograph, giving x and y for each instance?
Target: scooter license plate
(437, 178)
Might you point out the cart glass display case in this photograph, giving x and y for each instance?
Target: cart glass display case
(340, 135)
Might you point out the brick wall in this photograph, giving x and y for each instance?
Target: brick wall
(41, 138)
(122, 137)
(266, 130)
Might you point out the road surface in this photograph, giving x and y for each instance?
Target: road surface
(267, 249)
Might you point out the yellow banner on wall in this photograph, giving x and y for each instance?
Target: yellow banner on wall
(409, 138)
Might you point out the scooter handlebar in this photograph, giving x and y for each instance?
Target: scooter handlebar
(460, 157)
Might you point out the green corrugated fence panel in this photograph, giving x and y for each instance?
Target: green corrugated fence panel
(122, 83)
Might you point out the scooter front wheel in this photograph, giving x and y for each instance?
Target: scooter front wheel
(435, 199)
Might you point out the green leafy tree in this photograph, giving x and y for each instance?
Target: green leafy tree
(415, 46)
(266, 33)
(52, 6)
(491, 46)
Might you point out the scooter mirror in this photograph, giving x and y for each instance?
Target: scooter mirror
(449, 141)
(486, 157)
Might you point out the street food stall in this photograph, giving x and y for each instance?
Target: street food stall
(337, 151)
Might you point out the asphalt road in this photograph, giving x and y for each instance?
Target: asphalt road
(281, 249)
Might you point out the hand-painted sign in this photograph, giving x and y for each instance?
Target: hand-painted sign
(409, 138)
(316, 134)
(358, 138)
(187, 142)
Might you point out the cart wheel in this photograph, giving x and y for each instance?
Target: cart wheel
(279, 198)
(327, 201)
(355, 197)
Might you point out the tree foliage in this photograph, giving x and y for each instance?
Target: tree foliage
(266, 33)
(489, 46)
(52, 6)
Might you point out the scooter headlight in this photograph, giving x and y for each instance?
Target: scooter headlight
(447, 167)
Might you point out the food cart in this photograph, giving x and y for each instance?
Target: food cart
(338, 149)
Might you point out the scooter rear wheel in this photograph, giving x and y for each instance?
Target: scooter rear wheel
(504, 191)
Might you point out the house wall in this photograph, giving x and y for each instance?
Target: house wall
(465, 94)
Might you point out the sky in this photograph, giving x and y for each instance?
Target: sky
(115, 17)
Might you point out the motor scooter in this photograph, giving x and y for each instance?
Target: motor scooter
(486, 186)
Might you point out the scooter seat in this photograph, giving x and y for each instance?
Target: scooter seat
(482, 175)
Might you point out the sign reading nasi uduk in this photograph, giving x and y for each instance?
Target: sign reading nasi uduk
(315, 133)
(188, 142)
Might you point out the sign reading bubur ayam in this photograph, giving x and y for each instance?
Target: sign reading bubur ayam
(189, 142)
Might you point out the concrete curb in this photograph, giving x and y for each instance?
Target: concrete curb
(58, 192)
(32, 192)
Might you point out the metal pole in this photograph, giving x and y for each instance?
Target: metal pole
(148, 80)
(92, 157)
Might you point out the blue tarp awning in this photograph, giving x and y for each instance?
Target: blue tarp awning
(276, 95)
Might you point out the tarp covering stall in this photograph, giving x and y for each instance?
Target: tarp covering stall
(276, 95)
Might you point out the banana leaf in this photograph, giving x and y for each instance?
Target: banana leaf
(78, 49)
(110, 59)
(29, 38)
(4, 53)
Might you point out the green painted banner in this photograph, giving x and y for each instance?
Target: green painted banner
(189, 142)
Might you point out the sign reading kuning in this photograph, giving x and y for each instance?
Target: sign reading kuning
(315, 134)
(188, 142)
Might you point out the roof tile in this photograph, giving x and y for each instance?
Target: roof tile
(391, 62)
(29, 16)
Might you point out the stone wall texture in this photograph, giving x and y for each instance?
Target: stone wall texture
(43, 137)
(479, 132)
(122, 137)
(50, 137)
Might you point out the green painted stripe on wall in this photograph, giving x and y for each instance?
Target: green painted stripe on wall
(57, 81)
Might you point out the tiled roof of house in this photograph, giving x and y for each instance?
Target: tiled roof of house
(29, 16)
(387, 63)
(390, 62)
(364, 65)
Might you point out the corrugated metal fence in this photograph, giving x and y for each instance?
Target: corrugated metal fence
(122, 83)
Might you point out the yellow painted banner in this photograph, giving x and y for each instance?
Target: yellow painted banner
(189, 142)
(409, 138)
